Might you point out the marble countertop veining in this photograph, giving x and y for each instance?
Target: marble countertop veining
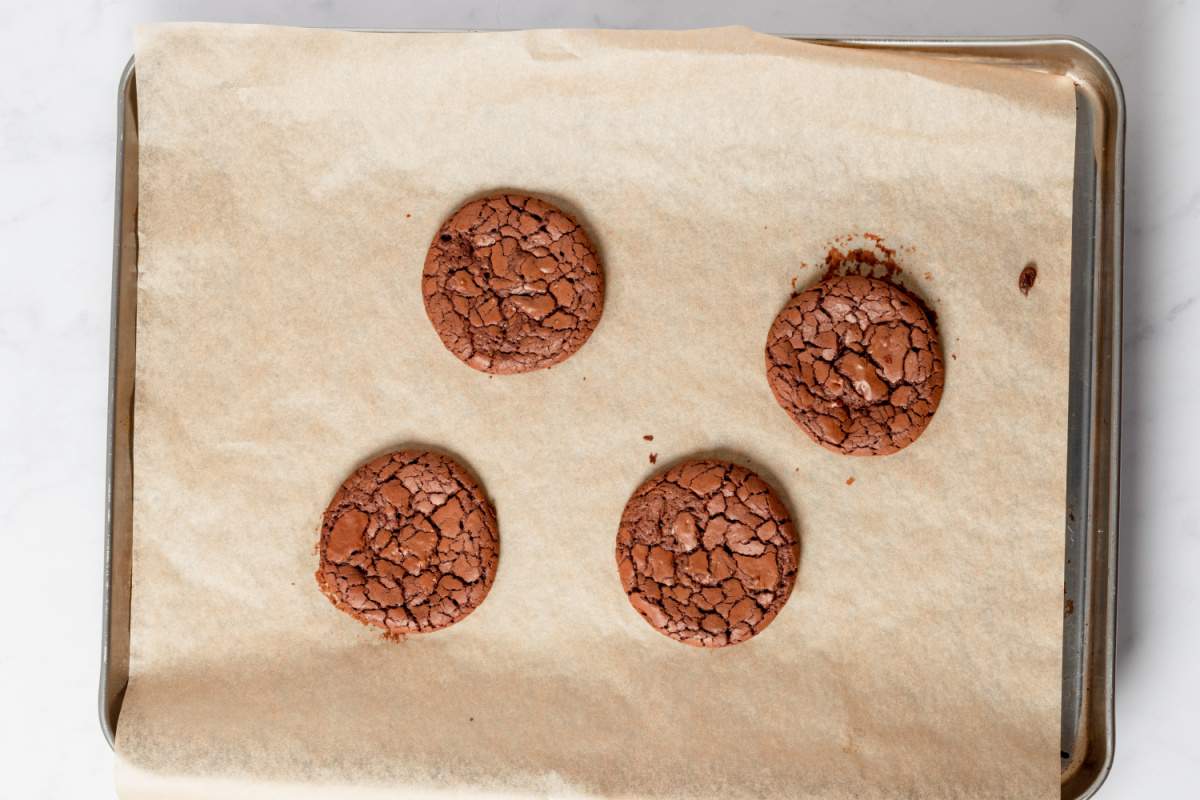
(59, 64)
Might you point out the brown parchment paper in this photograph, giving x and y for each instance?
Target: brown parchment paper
(290, 183)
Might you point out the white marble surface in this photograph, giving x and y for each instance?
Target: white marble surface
(59, 63)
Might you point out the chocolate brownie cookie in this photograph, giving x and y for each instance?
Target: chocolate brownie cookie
(409, 543)
(856, 363)
(707, 553)
(512, 284)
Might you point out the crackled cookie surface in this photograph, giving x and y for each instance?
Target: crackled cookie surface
(512, 284)
(856, 363)
(408, 544)
(707, 553)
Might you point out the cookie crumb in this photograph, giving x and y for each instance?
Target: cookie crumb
(649, 437)
(654, 458)
(1027, 277)
(850, 481)
(408, 216)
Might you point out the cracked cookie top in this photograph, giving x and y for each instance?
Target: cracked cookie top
(856, 363)
(409, 544)
(707, 553)
(512, 284)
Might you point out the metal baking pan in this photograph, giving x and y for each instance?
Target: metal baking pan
(1093, 447)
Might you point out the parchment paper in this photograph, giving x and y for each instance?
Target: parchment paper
(290, 183)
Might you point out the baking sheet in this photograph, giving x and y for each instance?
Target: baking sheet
(281, 341)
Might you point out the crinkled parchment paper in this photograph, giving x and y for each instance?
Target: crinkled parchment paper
(290, 183)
